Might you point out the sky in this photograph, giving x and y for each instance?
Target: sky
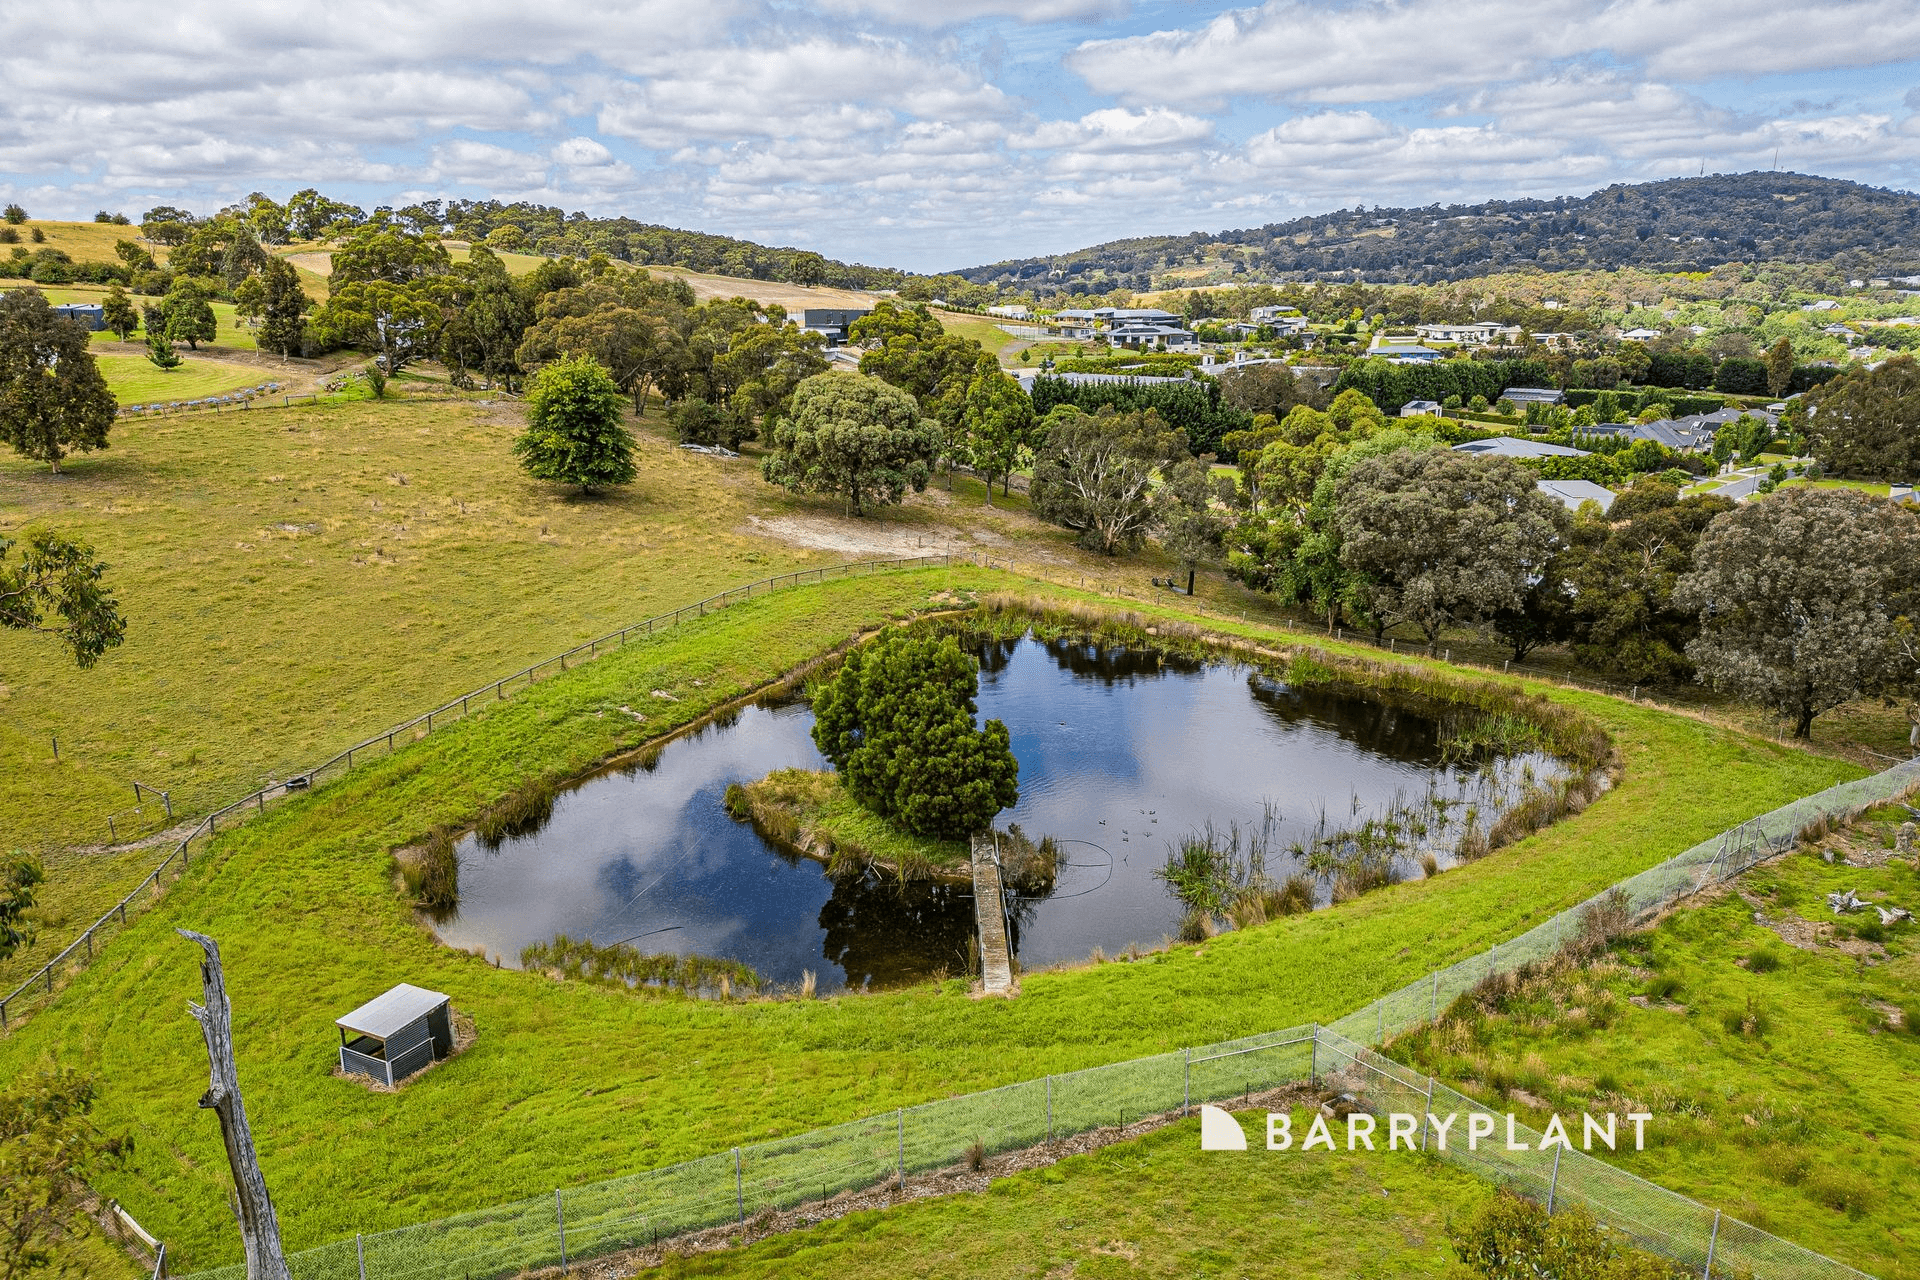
(936, 134)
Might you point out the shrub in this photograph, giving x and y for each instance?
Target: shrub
(9, 236)
(1603, 920)
(1664, 987)
(977, 1156)
(1750, 1022)
(1512, 1237)
(1870, 931)
(1764, 959)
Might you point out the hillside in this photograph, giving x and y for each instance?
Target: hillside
(1685, 224)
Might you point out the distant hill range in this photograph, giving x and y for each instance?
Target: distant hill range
(1683, 224)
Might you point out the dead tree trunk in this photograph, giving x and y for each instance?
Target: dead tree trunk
(259, 1228)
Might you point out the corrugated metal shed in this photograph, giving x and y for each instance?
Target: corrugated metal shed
(386, 1015)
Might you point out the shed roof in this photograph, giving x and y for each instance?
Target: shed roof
(386, 1014)
(1508, 447)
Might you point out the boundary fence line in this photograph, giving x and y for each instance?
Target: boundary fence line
(579, 1223)
(41, 981)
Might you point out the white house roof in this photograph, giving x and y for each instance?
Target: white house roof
(1508, 447)
(386, 1014)
(1572, 494)
(1640, 335)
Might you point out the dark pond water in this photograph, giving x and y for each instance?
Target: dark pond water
(1121, 753)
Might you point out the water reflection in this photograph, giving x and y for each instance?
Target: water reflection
(1121, 752)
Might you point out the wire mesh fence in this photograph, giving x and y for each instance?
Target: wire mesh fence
(1560, 1174)
(41, 983)
(574, 1224)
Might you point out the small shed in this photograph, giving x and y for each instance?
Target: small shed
(395, 1034)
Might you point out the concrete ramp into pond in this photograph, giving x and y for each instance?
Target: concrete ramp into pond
(989, 909)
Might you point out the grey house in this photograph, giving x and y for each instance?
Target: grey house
(831, 322)
(394, 1035)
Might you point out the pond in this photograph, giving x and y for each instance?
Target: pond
(1122, 752)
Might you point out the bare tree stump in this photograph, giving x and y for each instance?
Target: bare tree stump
(259, 1228)
(1903, 839)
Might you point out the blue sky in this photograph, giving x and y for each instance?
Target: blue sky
(932, 134)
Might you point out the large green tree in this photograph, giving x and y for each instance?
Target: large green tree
(1866, 422)
(631, 322)
(907, 347)
(52, 584)
(574, 433)
(1622, 568)
(116, 310)
(1094, 473)
(283, 308)
(189, 314)
(854, 436)
(1446, 538)
(897, 721)
(389, 293)
(53, 399)
(1798, 599)
(1190, 512)
(1000, 424)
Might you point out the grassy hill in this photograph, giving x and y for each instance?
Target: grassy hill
(1685, 224)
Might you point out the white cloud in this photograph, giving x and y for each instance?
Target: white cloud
(1379, 50)
(1117, 129)
(934, 135)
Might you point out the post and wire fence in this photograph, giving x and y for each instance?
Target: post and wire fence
(732, 1187)
(41, 983)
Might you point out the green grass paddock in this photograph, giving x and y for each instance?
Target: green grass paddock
(571, 1083)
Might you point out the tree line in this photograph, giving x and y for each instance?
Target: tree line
(1684, 224)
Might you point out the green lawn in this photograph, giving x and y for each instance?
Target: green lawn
(137, 380)
(570, 1082)
(1151, 1206)
(1807, 1124)
(297, 578)
(1879, 490)
(229, 332)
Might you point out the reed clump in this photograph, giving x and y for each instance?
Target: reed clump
(620, 964)
(519, 813)
(431, 873)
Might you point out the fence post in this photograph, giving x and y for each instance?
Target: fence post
(1712, 1241)
(166, 798)
(160, 1263)
(1426, 1116)
(739, 1188)
(560, 1218)
(1313, 1061)
(360, 1254)
(1379, 1023)
(901, 1115)
(1186, 1086)
(1435, 1016)
(1049, 1109)
(1553, 1183)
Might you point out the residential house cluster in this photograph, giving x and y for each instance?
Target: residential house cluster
(1139, 328)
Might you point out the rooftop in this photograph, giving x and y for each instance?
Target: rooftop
(386, 1014)
(1508, 447)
